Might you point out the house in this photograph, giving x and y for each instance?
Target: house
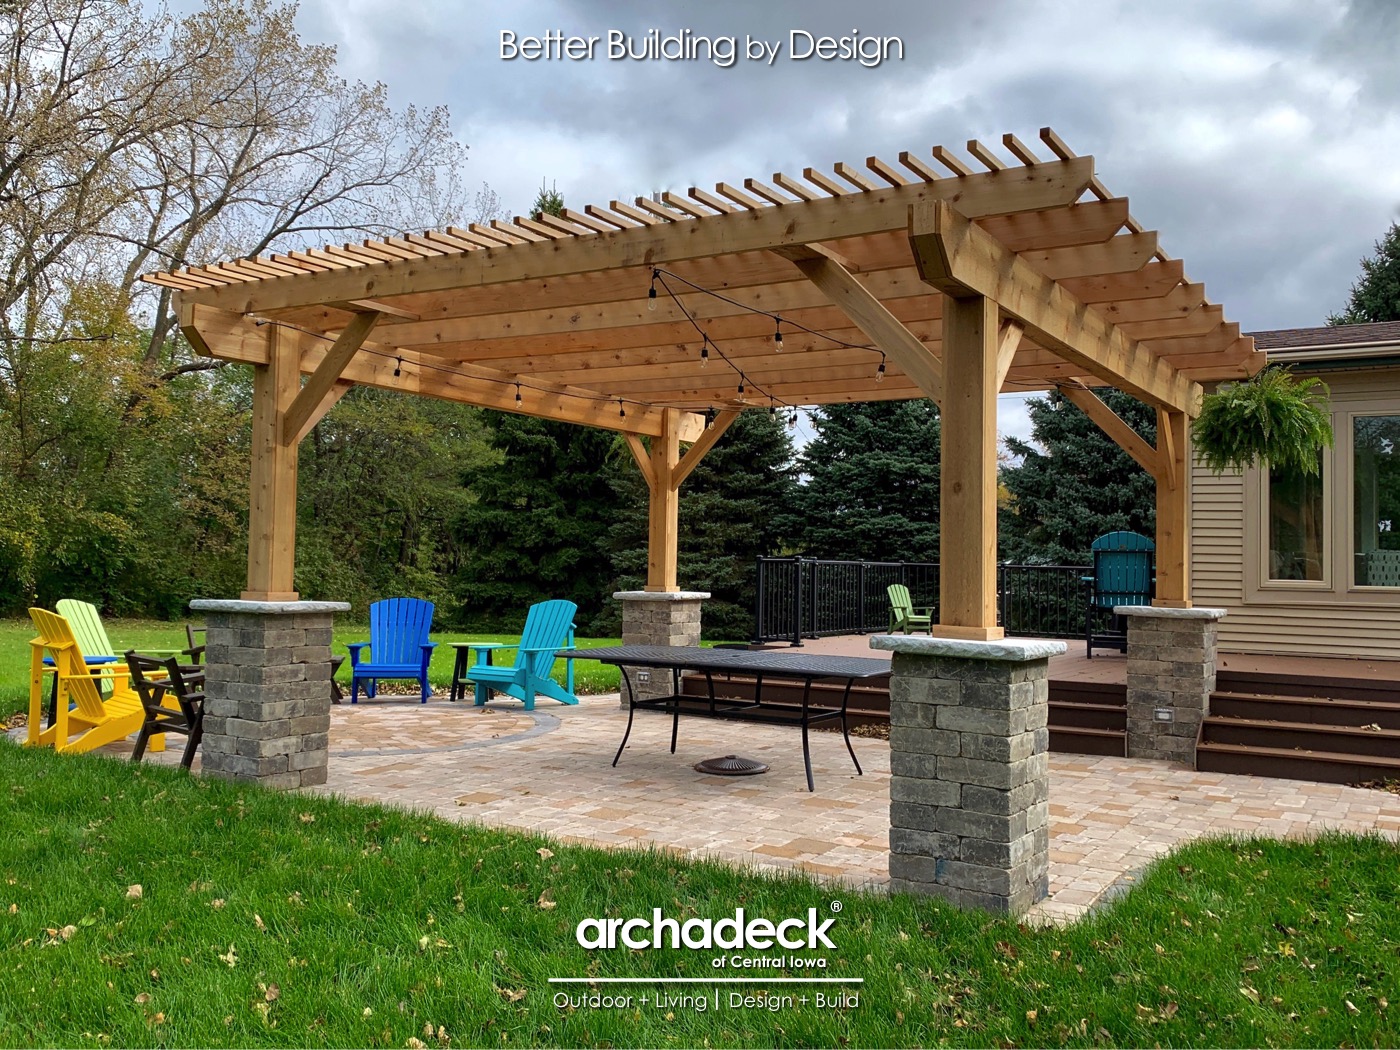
(1310, 565)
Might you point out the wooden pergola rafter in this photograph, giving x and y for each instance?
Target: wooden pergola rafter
(888, 281)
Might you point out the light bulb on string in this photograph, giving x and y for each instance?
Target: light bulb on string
(880, 372)
(651, 292)
(709, 419)
(705, 352)
(741, 384)
(621, 409)
(792, 419)
(398, 368)
(778, 335)
(772, 408)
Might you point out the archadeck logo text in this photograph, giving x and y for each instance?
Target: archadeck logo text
(733, 933)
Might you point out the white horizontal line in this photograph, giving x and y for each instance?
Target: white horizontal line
(707, 980)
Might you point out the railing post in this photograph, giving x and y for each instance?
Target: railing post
(861, 619)
(757, 602)
(797, 605)
(1003, 580)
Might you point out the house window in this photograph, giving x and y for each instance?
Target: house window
(1296, 526)
(1376, 500)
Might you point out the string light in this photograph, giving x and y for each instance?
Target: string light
(778, 334)
(709, 419)
(792, 419)
(705, 353)
(741, 384)
(880, 372)
(772, 408)
(621, 409)
(651, 293)
(518, 398)
(398, 368)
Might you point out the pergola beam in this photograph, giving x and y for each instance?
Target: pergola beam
(321, 381)
(961, 260)
(1020, 189)
(870, 316)
(232, 337)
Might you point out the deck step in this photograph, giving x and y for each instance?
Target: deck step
(1303, 736)
(1316, 686)
(1318, 710)
(1326, 766)
(1089, 716)
(1115, 693)
(1085, 740)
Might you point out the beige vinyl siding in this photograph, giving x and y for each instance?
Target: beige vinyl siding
(1334, 623)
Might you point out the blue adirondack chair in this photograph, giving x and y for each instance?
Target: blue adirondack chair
(549, 627)
(1123, 575)
(398, 646)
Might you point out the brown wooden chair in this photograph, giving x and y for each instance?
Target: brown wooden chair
(155, 680)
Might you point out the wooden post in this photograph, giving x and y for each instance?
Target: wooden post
(968, 504)
(1173, 511)
(664, 520)
(272, 494)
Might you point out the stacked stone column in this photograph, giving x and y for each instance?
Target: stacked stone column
(267, 690)
(658, 618)
(1171, 674)
(969, 770)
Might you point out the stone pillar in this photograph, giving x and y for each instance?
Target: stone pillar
(1171, 674)
(658, 618)
(267, 708)
(969, 770)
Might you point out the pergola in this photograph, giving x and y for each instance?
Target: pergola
(934, 277)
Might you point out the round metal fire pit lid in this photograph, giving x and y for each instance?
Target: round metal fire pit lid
(731, 766)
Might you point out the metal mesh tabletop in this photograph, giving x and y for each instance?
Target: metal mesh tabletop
(741, 661)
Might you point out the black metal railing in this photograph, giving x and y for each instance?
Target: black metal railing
(814, 597)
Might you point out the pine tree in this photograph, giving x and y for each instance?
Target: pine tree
(1376, 294)
(538, 527)
(1076, 485)
(729, 515)
(872, 483)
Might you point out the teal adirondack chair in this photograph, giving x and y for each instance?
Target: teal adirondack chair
(398, 646)
(1123, 575)
(549, 627)
(903, 616)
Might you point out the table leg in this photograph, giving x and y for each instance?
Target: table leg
(806, 748)
(631, 711)
(845, 729)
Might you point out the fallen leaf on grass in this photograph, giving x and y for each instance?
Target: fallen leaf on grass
(14, 909)
(142, 999)
(414, 1043)
(1249, 993)
(546, 902)
(545, 853)
(217, 903)
(307, 818)
(257, 921)
(1143, 1012)
(133, 892)
(1031, 1016)
(159, 1018)
(1352, 1007)
(230, 957)
(512, 995)
(273, 993)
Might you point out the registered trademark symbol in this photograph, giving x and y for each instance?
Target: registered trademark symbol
(835, 905)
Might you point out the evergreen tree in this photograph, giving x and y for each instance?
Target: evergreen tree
(729, 515)
(872, 483)
(1077, 484)
(538, 526)
(1376, 294)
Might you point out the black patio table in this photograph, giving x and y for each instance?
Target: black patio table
(806, 668)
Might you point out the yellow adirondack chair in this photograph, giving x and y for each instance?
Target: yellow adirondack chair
(92, 722)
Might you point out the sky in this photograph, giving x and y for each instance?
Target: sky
(1260, 137)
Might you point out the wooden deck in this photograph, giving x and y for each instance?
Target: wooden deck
(1111, 667)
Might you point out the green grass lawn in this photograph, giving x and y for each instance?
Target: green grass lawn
(268, 919)
(589, 677)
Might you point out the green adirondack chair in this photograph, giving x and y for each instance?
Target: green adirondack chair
(903, 616)
(549, 627)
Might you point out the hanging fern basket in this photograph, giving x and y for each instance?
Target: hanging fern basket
(1272, 420)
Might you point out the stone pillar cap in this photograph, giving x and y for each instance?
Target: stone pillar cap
(238, 605)
(1013, 650)
(1170, 614)
(660, 596)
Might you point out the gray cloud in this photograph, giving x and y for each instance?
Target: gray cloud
(1260, 137)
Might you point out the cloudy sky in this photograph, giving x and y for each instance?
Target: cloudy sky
(1260, 137)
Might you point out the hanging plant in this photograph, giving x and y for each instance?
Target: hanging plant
(1274, 419)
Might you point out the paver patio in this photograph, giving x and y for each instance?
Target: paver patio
(550, 771)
